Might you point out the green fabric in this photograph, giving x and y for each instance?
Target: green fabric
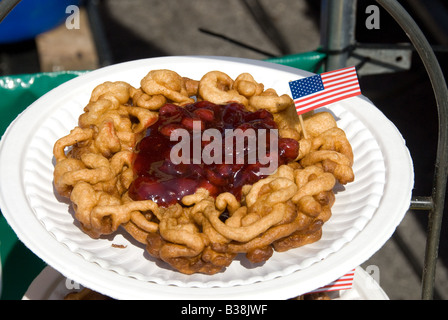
(19, 265)
(19, 91)
(308, 61)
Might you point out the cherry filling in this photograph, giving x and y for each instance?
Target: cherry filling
(161, 179)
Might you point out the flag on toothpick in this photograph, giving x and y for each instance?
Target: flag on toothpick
(343, 283)
(317, 91)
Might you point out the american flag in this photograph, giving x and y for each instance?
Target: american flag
(343, 283)
(316, 91)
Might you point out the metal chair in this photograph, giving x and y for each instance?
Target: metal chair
(338, 38)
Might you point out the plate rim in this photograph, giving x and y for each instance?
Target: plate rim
(278, 287)
(49, 278)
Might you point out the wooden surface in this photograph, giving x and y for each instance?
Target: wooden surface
(67, 48)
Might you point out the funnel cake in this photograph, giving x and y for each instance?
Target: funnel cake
(116, 169)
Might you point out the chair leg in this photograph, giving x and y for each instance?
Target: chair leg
(338, 19)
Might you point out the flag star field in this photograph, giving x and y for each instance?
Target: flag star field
(306, 86)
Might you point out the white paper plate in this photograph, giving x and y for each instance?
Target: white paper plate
(52, 285)
(365, 214)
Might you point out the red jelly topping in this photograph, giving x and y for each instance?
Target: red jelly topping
(159, 179)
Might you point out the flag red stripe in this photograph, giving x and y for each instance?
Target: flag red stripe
(334, 83)
(337, 285)
(301, 110)
(343, 283)
(330, 289)
(334, 76)
(328, 82)
(341, 280)
(328, 99)
(336, 288)
(339, 78)
(327, 94)
(351, 275)
(354, 93)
